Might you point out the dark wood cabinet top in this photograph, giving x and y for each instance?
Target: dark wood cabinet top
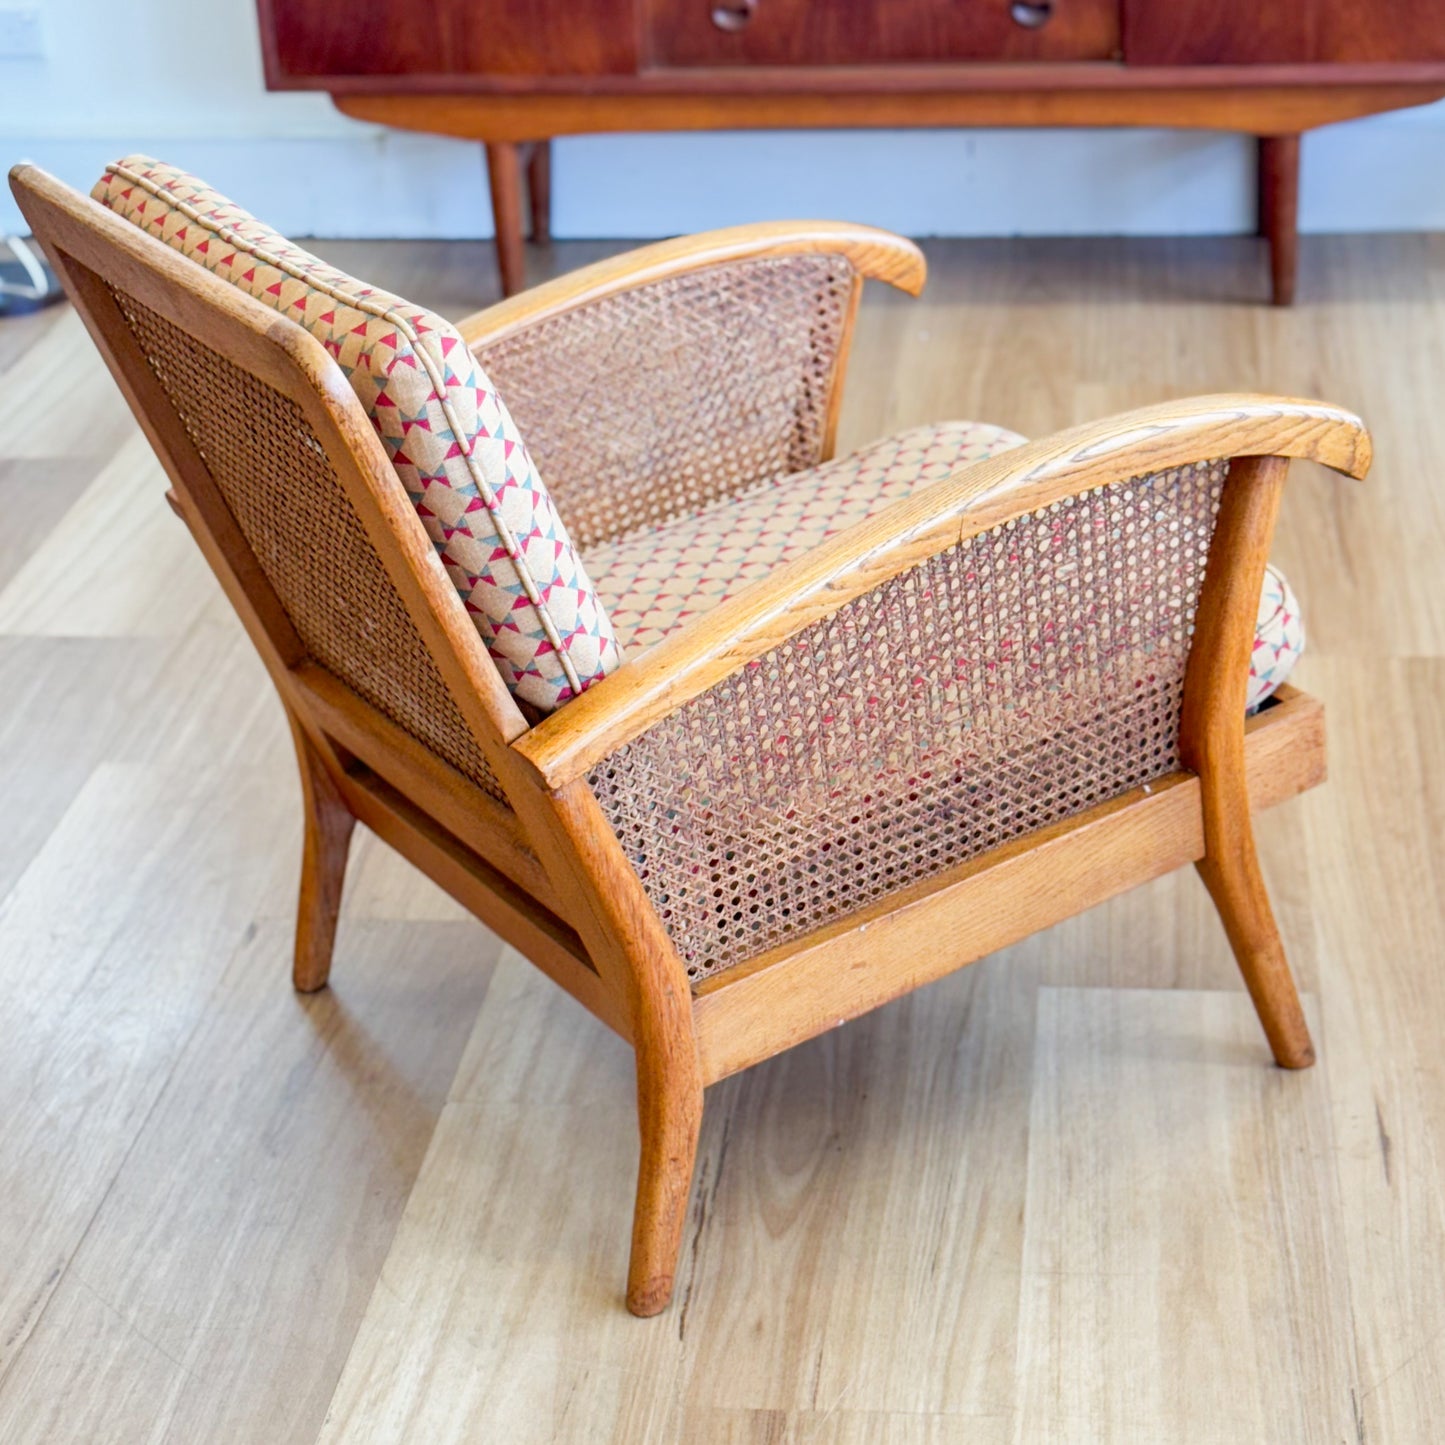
(596, 47)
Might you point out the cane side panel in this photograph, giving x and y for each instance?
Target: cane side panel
(650, 404)
(290, 506)
(1005, 684)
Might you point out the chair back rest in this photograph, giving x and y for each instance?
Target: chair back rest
(448, 435)
(286, 486)
(683, 392)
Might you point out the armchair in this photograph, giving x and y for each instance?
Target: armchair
(866, 719)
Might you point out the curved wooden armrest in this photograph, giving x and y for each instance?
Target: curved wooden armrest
(973, 499)
(875, 255)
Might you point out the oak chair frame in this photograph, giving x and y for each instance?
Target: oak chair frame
(549, 876)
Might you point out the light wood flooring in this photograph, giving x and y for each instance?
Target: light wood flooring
(1060, 1197)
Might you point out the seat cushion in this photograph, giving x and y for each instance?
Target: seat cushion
(448, 435)
(654, 582)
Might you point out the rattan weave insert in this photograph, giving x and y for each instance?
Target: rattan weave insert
(290, 506)
(1006, 684)
(656, 402)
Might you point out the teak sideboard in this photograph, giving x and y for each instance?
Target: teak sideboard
(514, 73)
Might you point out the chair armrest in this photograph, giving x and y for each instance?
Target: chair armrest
(876, 255)
(674, 376)
(905, 535)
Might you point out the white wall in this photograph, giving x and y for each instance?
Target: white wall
(182, 79)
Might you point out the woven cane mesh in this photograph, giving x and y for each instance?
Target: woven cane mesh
(1003, 685)
(294, 514)
(656, 402)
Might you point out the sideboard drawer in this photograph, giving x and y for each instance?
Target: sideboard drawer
(860, 32)
(448, 38)
(1244, 32)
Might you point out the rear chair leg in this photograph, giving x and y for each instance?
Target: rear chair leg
(323, 867)
(669, 1111)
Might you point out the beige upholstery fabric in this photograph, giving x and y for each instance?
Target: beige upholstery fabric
(651, 583)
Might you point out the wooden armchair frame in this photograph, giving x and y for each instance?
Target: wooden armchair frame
(547, 873)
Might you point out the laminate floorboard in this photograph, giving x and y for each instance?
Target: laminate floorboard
(1061, 1196)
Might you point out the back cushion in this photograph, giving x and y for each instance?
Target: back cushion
(453, 445)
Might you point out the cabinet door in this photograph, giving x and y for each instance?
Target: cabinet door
(1247, 32)
(315, 39)
(861, 32)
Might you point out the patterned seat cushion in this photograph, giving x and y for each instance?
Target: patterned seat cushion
(453, 445)
(654, 582)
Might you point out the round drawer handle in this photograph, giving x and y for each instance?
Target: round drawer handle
(733, 15)
(1032, 14)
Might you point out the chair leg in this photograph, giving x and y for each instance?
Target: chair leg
(329, 823)
(1211, 744)
(1236, 885)
(669, 1110)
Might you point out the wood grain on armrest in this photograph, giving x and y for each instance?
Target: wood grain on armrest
(875, 255)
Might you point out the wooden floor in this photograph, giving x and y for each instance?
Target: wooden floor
(1061, 1196)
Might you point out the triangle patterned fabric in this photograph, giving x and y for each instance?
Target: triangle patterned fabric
(450, 439)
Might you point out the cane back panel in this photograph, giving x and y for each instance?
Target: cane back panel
(290, 506)
(651, 404)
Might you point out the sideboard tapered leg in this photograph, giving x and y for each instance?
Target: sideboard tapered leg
(1279, 160)
(539, 190)
(504, 174)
